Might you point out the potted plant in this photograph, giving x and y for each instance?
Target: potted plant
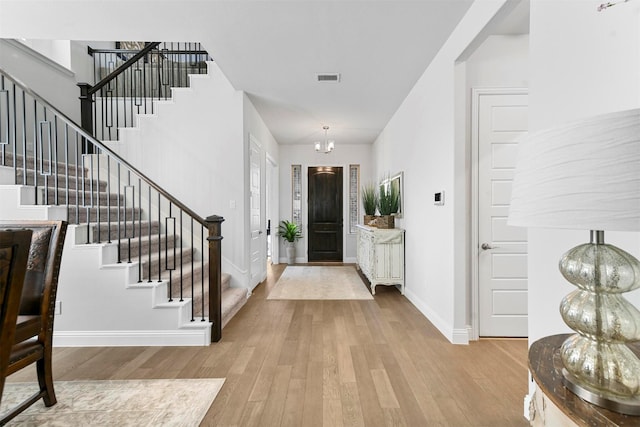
(290, 232)
(388, 202)
(369, 203)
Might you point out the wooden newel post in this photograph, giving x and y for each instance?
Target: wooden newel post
(86, 114)
(214, 224)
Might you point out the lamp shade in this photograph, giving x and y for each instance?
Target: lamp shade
(581, 175)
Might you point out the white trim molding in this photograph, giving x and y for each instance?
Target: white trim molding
(476, 93)
(200, 336)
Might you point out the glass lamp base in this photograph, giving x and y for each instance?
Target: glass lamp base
(623, 406)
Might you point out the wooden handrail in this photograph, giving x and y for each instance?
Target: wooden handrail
(115, 73)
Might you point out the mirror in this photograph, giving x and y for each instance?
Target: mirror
(397, 182)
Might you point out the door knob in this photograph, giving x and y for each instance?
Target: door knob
(486, 246)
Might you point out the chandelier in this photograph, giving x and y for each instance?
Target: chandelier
(329, 144)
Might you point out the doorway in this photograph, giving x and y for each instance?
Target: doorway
(258, 267)
(271, 207)
(500, 120)
(325, 213)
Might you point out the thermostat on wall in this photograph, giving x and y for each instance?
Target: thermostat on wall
(438, 198)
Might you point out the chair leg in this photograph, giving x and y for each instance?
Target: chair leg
(45, 379)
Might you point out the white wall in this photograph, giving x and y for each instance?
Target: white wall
(305, 155)
(203, 130)
(500, 61)
(206, 129)
(56, 50)
(420, 140)
(28, 66)
(583, 62)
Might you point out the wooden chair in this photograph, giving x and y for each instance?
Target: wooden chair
(14, 252)
(34, 328)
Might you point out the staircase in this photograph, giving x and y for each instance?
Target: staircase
(137, 238)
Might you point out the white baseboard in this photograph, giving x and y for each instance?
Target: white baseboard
(455, 336)
(461, 336)
(186, 337)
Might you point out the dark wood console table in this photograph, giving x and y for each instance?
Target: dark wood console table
(545, 365)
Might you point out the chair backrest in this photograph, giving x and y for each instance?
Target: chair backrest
(14, 252)
(43, 268)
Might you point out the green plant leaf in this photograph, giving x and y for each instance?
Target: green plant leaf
(289, 231)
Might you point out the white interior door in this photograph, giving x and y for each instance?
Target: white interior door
(272, 203)
(502, 121)
(258, 236)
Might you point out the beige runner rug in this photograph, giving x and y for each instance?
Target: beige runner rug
(182, 402)
(321, 283)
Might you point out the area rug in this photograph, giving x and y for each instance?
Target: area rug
(181, 402)
(320, 282)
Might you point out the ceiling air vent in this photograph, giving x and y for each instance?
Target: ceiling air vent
(328, 77)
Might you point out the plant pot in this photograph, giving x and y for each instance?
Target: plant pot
(369, 220)
(291, 252)
(386, 221)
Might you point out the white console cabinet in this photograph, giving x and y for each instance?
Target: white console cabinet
(381, 256)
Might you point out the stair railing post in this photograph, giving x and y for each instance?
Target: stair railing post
(86, 114)
(214, 224)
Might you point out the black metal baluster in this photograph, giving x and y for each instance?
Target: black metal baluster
(97, 74)
(139, 230)
(25, 171)
(35, 148)
(96, 78)
(159, 79)
(129, 199)
(159, 238)
(167, 68)
(90, 205)
(202, 238)
(78, 185)
(15, 137)
(96, 154)
(149, 236)
(4, 139)
(54, 158)
(119, 222)
(46, 174)
(94, 115)
(115, 103)
(144, 87)
(169, 264)
(84, 192)
(66, 167)
(12, 118)
(111, 113)
(181, 256)
(103, 121)
(108, 192)
(127, 121)
(192, 276)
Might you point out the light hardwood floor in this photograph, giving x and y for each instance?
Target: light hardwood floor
(330, 363)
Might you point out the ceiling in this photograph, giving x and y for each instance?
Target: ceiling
(273, 50)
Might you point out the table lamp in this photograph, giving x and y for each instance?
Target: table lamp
(586, 175)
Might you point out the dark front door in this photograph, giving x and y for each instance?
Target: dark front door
(325, 213)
